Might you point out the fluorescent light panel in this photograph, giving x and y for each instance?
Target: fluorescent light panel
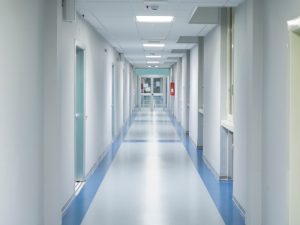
(152, 45)
(154, 19)
(153, 62)
(153, 56)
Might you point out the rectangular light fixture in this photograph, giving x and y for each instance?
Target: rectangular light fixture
(153, 62)
(153, 56)
(154, 19)
(154, 45)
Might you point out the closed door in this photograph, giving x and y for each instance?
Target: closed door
(157, 93)
(79, 116)
(152, 92)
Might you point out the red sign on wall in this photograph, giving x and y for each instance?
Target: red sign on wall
(172, 88)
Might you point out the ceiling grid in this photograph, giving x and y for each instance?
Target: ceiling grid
(116, 21)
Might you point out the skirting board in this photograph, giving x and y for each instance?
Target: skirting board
(210, 167)
(236, 202)
(225, 178)
(86, 178)
(94, 167)
(199, 147)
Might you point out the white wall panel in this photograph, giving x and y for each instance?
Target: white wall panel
(212, 117)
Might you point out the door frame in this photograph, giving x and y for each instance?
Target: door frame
(152, 94)
(81, 45)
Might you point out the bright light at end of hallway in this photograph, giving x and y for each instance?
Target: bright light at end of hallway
(154, 19)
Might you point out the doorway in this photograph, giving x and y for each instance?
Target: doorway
(152, 92)
(294, 153)
(79, 117)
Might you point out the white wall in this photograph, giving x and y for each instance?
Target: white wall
(100, 57)
(242, 74)
(52, 132)
(22, 49)
(178, 90)
(275, 110)
(193, 110)
(98, 84)
(119, 94)
(212, 79)
(126, 95)
(133, 90)
(184, 92)
(294, 153)
(261, 112)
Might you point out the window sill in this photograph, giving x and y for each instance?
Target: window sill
(201, 111)
(228, 125)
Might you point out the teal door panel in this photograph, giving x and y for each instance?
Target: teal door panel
(79, 116)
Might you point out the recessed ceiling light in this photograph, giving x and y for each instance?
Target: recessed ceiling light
(154, 19)
(149, 66)
(156, 66)
(154, 45)
(153, 62)
(153, 56)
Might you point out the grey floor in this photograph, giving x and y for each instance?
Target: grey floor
(152, 181)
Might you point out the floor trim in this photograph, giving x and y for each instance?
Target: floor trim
(220, 191)
(79, 204)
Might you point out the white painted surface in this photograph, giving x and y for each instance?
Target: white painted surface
(276, 110)
(21, 81)
(152, 183)
(52, 136)
(185, 91)
(212, 79)
(99, 59)
(126, 96)
(119, 94)
(294, 158)
(228, 125)
(116, 21)
(178, 90)
(242, 77)
(194, 76)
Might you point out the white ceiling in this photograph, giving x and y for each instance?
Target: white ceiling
(115, 20)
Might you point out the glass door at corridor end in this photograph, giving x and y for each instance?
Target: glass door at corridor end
(152, 92)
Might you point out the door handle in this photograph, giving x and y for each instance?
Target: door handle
(77, 115)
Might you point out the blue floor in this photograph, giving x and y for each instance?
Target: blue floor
(220, 191)
(75, 213)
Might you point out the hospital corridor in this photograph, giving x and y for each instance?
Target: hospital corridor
(150, 112)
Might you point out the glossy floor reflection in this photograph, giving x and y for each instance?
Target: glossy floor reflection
(152, 180)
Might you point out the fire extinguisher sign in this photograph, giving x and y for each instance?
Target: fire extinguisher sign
(172, 88)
